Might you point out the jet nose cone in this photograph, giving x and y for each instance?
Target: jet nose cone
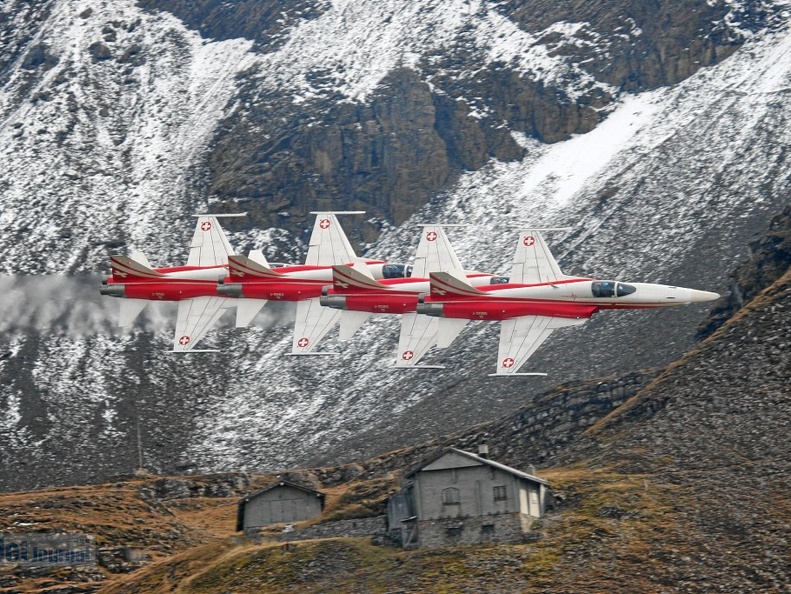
(701, 296)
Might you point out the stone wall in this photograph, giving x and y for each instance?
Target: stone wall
(473, 530)
(354, 528)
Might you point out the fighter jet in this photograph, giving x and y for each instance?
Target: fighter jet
(254, 283)
(538, 299)
(194, 285)
(359, 295)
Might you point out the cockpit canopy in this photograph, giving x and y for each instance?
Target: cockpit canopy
(603, 289)
(499, 280)
(396, 271)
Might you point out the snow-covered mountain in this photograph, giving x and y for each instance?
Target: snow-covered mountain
(119, 121)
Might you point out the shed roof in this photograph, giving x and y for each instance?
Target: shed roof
(479, 460)
(254, 494)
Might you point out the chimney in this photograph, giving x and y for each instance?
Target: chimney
(483, 450)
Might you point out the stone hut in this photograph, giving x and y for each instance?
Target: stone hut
(281, 503)
(460, 498)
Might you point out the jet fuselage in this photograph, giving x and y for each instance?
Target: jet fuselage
(572, 298)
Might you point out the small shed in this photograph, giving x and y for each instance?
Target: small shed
(463, 498)
(281, 503)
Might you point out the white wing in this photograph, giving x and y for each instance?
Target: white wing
(312, 322)
(209, 245)
(196, 317)
(521, 337)
(435, 254)
(533, 262)
(328, 243)
(418, 334)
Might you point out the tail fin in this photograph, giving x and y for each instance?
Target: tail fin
(242, 268)
(447, 286)
(126, 269)
(346, 279)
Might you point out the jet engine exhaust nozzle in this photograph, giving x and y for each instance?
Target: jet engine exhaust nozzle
(112, 290)
(333, 301)
(230, 289)
(431, 309)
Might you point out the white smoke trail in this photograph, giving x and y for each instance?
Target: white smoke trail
(72, 305)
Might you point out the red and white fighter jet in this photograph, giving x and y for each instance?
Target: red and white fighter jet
(255, 283)
(194, 285)
(359, 295)
(539, 299)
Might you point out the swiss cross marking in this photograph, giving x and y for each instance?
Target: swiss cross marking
(302, 342)
(529, 240)
(408, 355)
(431, 236)
(324, 223)
(508, 362)
(184, 340)
(205, 226)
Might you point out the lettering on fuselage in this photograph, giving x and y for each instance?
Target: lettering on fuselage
(276, 295)
(158, 295)
(480, 314)
(382, 307)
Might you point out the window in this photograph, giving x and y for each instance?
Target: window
(450, 496)
(500, 494)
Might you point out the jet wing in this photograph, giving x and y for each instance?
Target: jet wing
(435, 254)
(521, 337)
(311, 325)
(328, 243)
(209, 245)
(418, 335)
(533, 261)
(195, 317)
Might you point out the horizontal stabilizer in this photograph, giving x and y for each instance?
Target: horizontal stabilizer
(241, 268)
(346, 279)
(246, 310)
(258, 257)
(130, 309)
(125, 268)
(351, 322)
(448, 329)
(140, 257)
